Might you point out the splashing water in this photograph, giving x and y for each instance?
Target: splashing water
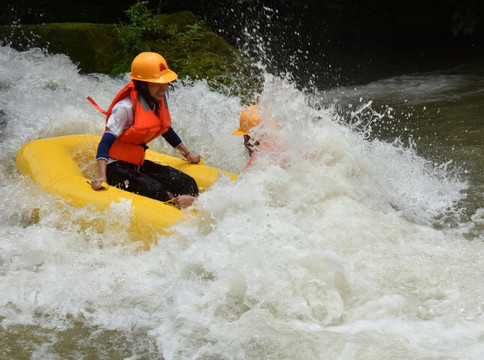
(344, 245)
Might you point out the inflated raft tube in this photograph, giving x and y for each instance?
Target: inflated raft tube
(61, 165)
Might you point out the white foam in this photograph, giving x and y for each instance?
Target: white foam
(329, 249)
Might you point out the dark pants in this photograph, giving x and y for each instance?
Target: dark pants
(151, 180)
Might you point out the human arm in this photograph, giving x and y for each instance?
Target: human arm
(121, 119)
(102, 159)
(191, 157)
(174, 140)
(96, 183)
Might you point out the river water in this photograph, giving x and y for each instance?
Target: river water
(366, 243)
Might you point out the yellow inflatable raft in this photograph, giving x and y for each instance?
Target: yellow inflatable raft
(65, 165)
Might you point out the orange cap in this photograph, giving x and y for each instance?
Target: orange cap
(151, 67)
(248, 119)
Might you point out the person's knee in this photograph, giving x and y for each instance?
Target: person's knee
(190, 186)
(156, 190)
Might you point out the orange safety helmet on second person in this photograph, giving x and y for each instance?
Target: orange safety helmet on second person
(248, 119)
(151, 67)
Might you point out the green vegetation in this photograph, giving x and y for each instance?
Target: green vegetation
(191, 49)
(91, 46)
(141, 26)
(465, 19)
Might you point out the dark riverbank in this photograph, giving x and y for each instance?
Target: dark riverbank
(333, 43)
(325, 43)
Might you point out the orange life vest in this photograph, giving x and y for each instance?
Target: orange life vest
(264, 146)
(147, 126)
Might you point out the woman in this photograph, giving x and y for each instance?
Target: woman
(250, 119)
(262, 137)
(137, 115)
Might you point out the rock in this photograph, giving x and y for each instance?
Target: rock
(191, 49)
(93, 47)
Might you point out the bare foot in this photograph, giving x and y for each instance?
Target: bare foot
(183, 201)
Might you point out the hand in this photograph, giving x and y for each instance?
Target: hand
(96, 184)
(193, 158)
(183, 201)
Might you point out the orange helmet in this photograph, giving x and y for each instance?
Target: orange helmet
(151, 67)
(248, 119)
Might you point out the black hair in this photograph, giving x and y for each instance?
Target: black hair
(142, 89)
